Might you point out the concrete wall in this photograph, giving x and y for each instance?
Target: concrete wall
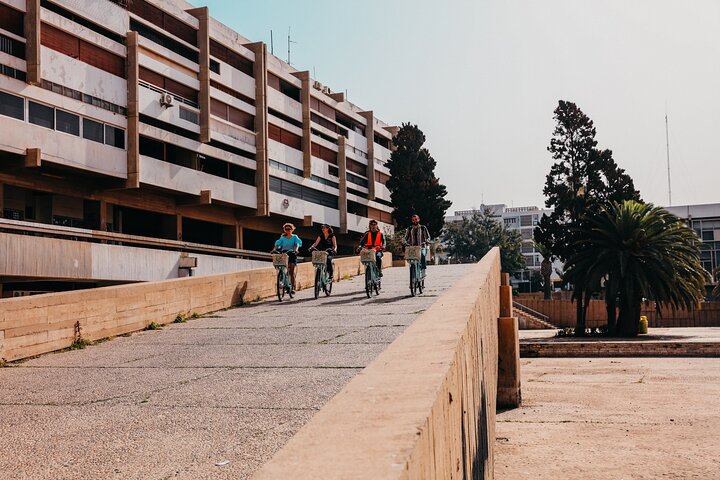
(44, 323)
(562, 313)
(425, 408)
(66, 259)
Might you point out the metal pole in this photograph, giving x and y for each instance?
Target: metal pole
(667, 148)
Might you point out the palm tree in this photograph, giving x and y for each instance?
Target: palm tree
(640, 251)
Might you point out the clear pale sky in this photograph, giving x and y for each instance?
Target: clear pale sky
(482, 78)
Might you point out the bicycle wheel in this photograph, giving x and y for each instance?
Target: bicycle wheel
(328, 286)
(420, 286)
(377, 287)
(280, 285)
(318, 282)
(368, 281)
(413, 280)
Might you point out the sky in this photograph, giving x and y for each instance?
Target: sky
(482, 78)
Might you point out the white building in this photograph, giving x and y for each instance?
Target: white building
(705, 220)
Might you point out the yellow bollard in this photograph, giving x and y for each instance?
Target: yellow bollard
(643, 327)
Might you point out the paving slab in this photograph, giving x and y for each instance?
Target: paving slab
(612, 418)
(215, 397)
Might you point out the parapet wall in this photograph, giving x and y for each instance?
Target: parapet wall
(39, 324)
(425, 408)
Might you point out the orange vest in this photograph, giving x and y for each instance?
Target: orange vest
(378, 239)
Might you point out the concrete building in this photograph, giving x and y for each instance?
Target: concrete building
(524, 220)
(705, 220)
(149, 123)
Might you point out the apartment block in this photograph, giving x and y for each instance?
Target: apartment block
(148, 123)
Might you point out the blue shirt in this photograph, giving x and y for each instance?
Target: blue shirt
(284, 243)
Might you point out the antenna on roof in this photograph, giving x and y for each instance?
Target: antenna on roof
(272, 46)
(667, 149)
(289, 42)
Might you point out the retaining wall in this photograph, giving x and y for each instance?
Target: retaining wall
(562, 313)
(425, 408)
(43, 323)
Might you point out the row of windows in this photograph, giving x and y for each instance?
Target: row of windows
(83, 97)
(12, 20)
(60, 120)
(357, 193)
(286, 168)
(234, 93)
(164, 20)
(180, 91)
(285, 137)
(86, 52)
(164, 41)
(324, 153)
(284, 87)
(232, 58)
(285, 118)
(232, 114)
(11, 72)
(12, 47)
(325, 181)
(82, 21)
(352, 178)
(295, 190)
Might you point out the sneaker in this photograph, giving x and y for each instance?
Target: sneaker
(292, 291)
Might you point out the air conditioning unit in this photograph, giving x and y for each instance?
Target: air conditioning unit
(166, 100)
(317, 85)
(326, 90)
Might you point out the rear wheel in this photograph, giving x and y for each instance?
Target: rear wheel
(368, 281)
(280, 286)
(413, 280)
(318, 282)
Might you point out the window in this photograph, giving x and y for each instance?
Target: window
(12, 72)
(41, 115)
(357, 180)
(114, 136)
(286, 168)
(324, 181)
(232, 58)
(86, 52)
(163, 40)
(12, 47)
(283, 136)
(67, 122)
(233, 93)
(12, 106)
(214, 66)
(93, 130)
(190, 116)
(290, 189)
(12, 20)
(334, 171)
(81, 21)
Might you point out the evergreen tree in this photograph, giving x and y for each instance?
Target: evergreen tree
(414, 188)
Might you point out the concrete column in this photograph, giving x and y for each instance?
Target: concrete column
(238, 236)
(33, 158)
(133, 108)
(2, 201)
(307, 135)
(262, 162)
(103, 215)
(509, 394)
(342, 174)
(370, 134)
(179, 228)
(32, 41)
(203, 39)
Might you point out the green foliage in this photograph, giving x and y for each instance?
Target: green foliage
(414, 188)
(181, 318)
(470, 239)
(79, 344)
(394, 243)
(195, 316)
(153, 326)
(643, 252)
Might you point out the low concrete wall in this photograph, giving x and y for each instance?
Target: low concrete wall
(425, 408)
(44, 323)
(562, 313)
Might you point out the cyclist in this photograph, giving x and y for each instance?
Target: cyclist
(289, 243)
(418, 236)
(374, 238)
(327, 242)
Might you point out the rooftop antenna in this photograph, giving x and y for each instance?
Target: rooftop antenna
(289, 42)
(667, 149)
(272, 45)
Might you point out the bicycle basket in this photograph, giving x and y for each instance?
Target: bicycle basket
(412, 253)
(280, 260)
(319, 258)
(367, 255)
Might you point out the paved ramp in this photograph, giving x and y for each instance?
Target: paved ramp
(213, 398)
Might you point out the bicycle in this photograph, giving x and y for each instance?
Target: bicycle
(323, 281)
(413, 255)
(283, 284)
(372, 275)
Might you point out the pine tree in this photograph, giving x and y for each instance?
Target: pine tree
(414, 188)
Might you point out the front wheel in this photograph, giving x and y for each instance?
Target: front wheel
(318, 282)
(413, 280)
(368, 282)
(280, 286)
(328, 286)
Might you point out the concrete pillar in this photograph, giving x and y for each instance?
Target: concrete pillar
(307, 134)
(509, 394)
(238, 236)
(179, 228)
(33, 158)
(103, 215)
(133, 109)
(203, 40)
(2, 200)
(32, 42)
(262, 162)
(370, 134)
(342, 174)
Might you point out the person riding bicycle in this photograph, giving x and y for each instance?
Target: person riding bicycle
(418, 236)
(326, 242)
(374, 239)
(289, 243)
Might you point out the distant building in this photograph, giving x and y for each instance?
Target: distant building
(523, 219)
(705, 220)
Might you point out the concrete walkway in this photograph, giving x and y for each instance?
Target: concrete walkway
(611, 419)
(213, 398)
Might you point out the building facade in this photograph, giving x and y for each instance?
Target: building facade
(149, 118)
(523, 220)
(704, 219)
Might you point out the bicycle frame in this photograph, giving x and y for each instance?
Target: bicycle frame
(417, 277)
(322, 280)
(372, 278)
